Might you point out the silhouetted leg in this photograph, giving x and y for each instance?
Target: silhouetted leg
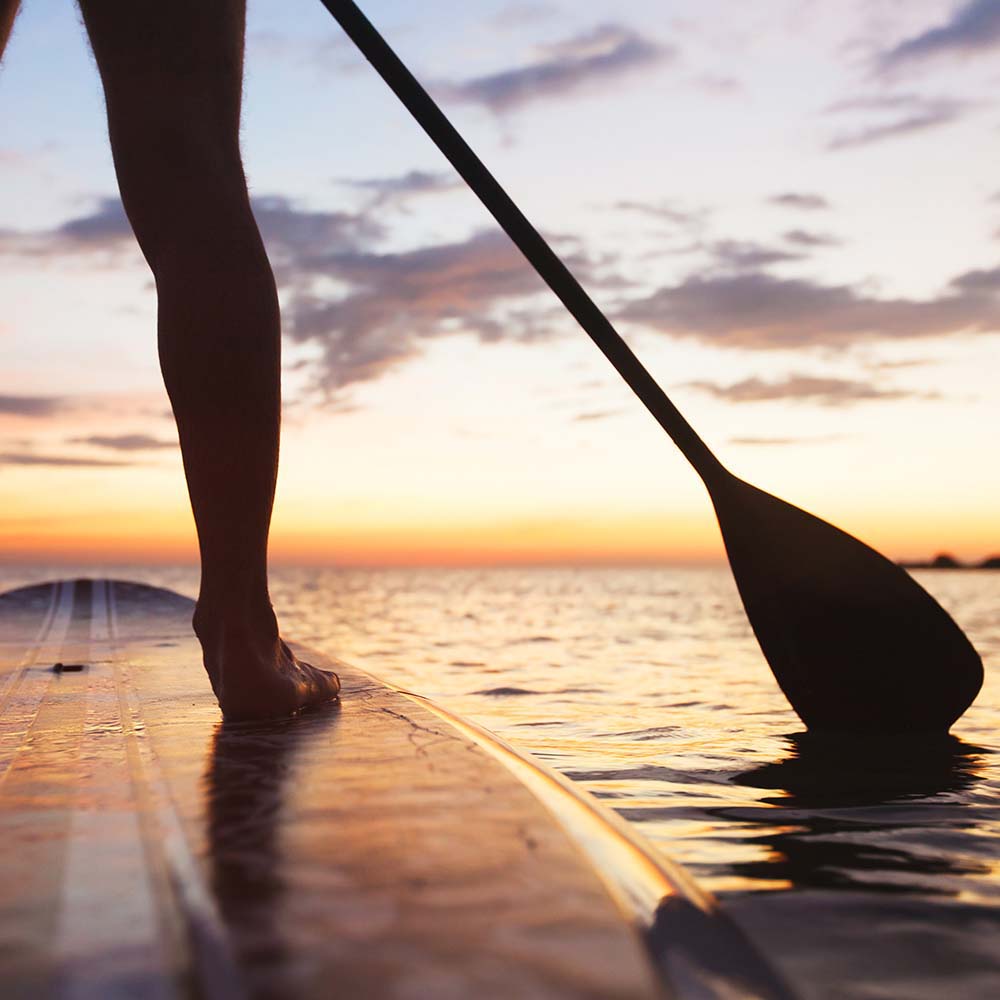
(8, 11)
(172, 74)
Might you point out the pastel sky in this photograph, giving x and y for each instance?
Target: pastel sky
(790, 208)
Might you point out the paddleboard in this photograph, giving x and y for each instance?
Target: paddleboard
(376, 847)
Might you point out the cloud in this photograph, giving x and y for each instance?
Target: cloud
(31, 406)
(110, 409)
(973, 28)
(729, 254)
(298, 235)
(718, 86)
(124, 442)
(106, 226)
(908, 113)
(775, 441)
(57, 461)
(807, 238)
(979, 280)
(366, 311)
(597, 415)
(14, 158)
(746, 255)
(105, 229)
(388, 190)
(517, 14)
(685, 218)
(362, 312)
(606, 52)
(800, 199)
(762, 312)
(801, 389)
(286, 228)
(479, 286)
(890, 365)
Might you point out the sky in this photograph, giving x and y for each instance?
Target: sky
(790, 210)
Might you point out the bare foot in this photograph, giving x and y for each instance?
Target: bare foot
(258, 676)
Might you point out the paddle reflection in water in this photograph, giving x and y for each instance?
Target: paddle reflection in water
(848, 806)
(867, 834)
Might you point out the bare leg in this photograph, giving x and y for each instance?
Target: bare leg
(172, 76)
(8, 11)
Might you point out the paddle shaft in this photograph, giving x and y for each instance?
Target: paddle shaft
(524, 235)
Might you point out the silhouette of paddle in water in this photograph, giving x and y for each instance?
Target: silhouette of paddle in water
(855, 643)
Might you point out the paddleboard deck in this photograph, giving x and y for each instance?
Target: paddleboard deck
(375, 847)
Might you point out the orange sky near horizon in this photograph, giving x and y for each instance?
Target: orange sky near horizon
(793, 228)
(644, 538)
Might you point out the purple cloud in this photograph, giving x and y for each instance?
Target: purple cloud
(607, 52)
(973, 28)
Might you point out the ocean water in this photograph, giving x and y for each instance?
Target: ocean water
(863, 869)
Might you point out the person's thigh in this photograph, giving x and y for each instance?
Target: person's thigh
(172, 73)
(8, 11)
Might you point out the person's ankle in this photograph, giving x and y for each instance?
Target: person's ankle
(235, 622)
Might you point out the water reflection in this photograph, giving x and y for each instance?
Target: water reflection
(663, 725)
(826, 771)
(847, 809)
(247, 783)
(699, 950)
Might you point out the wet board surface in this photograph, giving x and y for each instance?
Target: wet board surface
(377, 847)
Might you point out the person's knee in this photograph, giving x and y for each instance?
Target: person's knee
(186, 199)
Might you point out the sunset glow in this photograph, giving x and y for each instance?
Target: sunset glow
(790, 211)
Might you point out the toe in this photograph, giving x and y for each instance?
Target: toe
(324, 684)
(327, 682)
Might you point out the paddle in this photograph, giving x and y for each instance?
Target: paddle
(854, 642)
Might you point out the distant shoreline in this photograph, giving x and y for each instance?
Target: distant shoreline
(946, 561)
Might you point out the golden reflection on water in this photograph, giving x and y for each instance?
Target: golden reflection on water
(863, 868)
(647, 686)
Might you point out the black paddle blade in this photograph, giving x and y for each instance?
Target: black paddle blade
(855, 643)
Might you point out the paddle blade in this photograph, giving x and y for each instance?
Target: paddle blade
(855, 643)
